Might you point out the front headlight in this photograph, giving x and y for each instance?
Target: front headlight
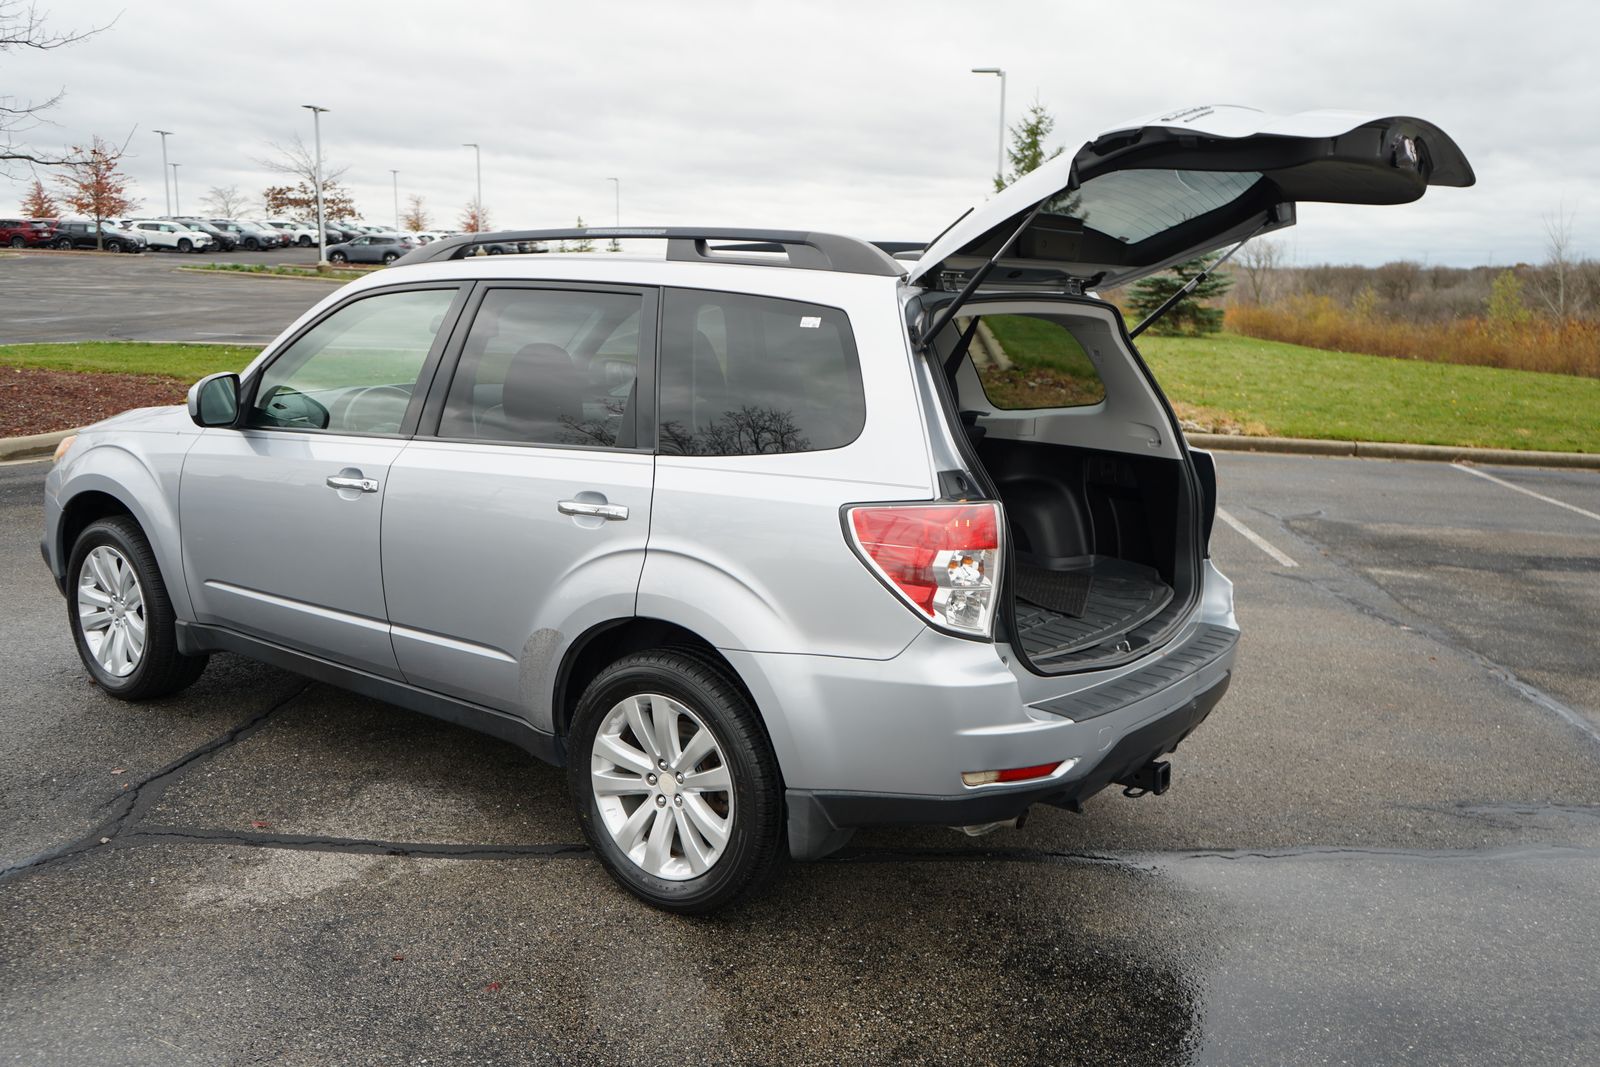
(62, 448)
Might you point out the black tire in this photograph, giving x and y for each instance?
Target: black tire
(390, 257)
(338, 257)
(252, 244)
(304, 241)
(65, 244)
(756, 843)
(185, 245)
(113, 246)
(162, 670)
(17, 242)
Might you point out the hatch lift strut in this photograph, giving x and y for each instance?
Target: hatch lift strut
(1169, 302)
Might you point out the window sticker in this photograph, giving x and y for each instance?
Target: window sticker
(811, 322)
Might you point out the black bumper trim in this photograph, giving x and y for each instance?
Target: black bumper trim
(1150, 741)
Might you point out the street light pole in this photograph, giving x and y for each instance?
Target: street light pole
(165, 183)
(477, 205)
(396, 199)
(178, 201)
(322, 232)
(1000, 150)
(617, 221)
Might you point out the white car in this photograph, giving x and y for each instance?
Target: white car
(170, 236)
(298, 233)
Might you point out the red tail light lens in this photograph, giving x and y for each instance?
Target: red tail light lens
(943, 559)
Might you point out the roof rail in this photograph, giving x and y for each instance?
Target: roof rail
(803, 249)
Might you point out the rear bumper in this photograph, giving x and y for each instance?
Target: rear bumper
(1148, 741)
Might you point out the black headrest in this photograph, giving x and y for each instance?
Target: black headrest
(544, 391)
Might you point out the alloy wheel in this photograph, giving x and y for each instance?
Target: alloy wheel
(111, 611)
(662, 786)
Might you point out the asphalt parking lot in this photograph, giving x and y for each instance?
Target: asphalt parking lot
(79, 296)
(1384, 846)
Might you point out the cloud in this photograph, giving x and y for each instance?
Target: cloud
(855, 117)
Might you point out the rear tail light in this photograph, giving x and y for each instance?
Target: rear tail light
(942, 559)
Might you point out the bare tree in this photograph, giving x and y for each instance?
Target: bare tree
(22, 27)
(1554, 283)
(1260, 261)
(294, 158)
(474, 217)
(225, 201)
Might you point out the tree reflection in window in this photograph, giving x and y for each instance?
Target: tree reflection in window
(749, 431)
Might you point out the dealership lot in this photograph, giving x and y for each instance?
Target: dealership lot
(1384, 845)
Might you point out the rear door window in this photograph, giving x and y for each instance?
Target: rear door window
(1025, 363)
(548, 367)
(753, 375)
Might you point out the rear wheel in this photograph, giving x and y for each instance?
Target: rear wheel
(17, 242)
(675, 783)
(121, 618)
(390, 257)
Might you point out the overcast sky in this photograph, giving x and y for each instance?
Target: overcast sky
(855, 117)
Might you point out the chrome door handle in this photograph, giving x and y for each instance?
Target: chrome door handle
(614, 512)
(345, 481)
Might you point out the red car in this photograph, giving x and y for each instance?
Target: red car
(26, 233)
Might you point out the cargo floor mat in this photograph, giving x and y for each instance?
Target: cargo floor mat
(1066, 605)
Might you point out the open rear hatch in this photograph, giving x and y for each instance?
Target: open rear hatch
(1142, 197)
(1106, 513)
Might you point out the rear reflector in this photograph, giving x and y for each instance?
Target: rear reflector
(943, 559)
(1012, 774)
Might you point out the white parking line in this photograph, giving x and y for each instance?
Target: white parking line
(1529, 492)
(1256, 539)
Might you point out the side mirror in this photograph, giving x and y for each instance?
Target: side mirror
(214, 400)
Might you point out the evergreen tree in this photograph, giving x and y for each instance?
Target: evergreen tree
(582, 244)
(1189, 315)
(1027, 149)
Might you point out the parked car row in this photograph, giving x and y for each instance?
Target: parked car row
(192, 233)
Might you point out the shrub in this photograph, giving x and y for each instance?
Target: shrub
(1530, 343)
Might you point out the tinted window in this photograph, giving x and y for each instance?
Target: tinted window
(549, 367)
(752, 375)
(356, 370)
(1024, 363)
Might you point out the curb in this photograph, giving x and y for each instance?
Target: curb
(34, 446)
(1304, 446)
(262, 274)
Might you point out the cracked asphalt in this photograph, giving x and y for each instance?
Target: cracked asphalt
(1384, 846)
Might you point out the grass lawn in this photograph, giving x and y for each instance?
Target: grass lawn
(1306, 392)
(188, 362)
(1265, 386)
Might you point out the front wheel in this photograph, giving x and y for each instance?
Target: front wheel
(304, 241)
(185, 245)
(121, 617)
(338, 257)
(252, 244)
(113, 246)
(65, 244)
(675, 783)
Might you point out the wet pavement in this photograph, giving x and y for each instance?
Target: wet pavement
(1384, 846)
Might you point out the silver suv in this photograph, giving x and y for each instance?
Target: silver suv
(775, 537)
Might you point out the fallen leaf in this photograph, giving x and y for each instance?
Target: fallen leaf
(493, 987)
(258, 825)
(120, 770)
(397, 958)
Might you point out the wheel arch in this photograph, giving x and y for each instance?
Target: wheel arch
(126, 488)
